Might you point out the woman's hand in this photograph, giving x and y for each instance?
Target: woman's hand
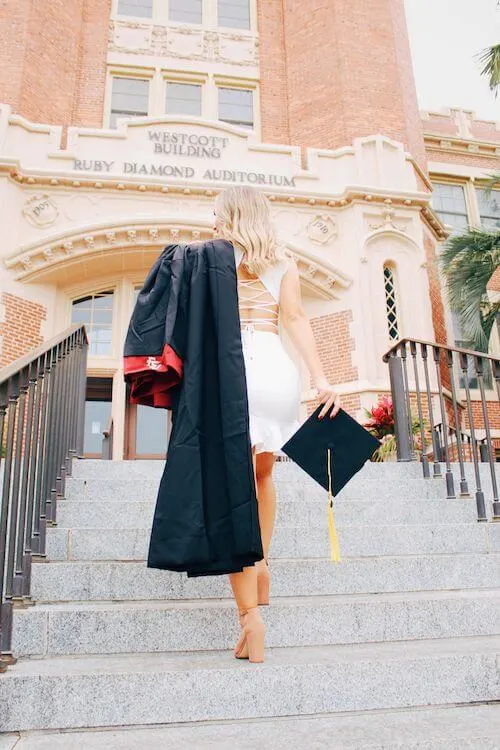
(327, 396)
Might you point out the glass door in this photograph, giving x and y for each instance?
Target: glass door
(97, 415)
(147, 432)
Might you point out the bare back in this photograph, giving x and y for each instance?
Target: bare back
(258, 307)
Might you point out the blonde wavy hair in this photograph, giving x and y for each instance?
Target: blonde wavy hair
(244, 214)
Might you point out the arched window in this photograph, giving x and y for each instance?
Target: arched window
(96, 312)
(391, 310)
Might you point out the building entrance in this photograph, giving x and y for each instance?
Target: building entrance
(146, 431)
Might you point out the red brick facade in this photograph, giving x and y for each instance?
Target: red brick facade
(53, 59)
(20, 327)
(315, 65)
(335, 347)
(438, 317)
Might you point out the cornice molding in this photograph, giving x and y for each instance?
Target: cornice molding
(351, 195)
(458, 145)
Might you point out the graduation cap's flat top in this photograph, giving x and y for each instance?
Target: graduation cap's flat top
(350, 443)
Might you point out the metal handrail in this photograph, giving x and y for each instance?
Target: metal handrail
(449, 361)
(401, 342)
(42, 414)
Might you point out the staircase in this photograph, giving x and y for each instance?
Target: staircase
(396, 647)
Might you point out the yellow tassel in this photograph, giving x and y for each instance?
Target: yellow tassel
(332, 532)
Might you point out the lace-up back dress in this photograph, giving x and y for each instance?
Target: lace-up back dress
(273, 380)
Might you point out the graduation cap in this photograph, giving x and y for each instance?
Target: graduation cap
(331, 451)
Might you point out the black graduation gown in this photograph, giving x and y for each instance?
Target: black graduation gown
(183, 351)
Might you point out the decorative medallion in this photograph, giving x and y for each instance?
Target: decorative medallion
(321, 229)
(41, 210)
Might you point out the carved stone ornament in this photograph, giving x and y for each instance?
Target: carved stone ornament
(388, 222)
(321, 229)
(40, 210)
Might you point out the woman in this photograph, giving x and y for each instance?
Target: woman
(268, 292)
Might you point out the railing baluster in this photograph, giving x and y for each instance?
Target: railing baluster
(19, 568)
(479, 367)
(51, 447)
(13, 584)
(450, 489)
(6, 655)
(481, 510)
(435, 446)
(34, 465)
(464, 489)
(38, 543)
(82, 388)
(402, 349)
(425, 462)
(399, 403)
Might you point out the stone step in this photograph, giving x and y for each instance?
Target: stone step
(291, 541)
(130, 514)
(138, 627)
(133, 489)
(84, 581)
(474, 727)
(123, 690)
(152, 469)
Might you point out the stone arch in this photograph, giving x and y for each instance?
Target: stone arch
(101, 246)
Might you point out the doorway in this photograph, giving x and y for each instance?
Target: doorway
(147, 431)
(98, 399)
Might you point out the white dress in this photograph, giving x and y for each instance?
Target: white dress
(273, 380)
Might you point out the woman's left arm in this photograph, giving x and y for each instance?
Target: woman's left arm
(299, 328)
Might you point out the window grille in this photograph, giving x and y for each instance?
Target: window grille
(391, 303)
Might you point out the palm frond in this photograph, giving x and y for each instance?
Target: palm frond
(468, 262)
(492, 184)
(490, 60)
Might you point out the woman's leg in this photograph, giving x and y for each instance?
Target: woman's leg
(266, 494)
(251, 642)
(244, 584)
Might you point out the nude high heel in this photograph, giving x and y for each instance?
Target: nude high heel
(263, 583)
(251, 641)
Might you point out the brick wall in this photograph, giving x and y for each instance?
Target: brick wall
(20, 327)
(336, 90)
(54, 59)
(494, 282)
(273, 83)
(438, 317)
(335, 347)
(89, 98)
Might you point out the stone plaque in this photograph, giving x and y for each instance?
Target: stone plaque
(322, 229)
(41, 210)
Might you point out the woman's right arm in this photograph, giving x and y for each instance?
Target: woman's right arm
(300, 331)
